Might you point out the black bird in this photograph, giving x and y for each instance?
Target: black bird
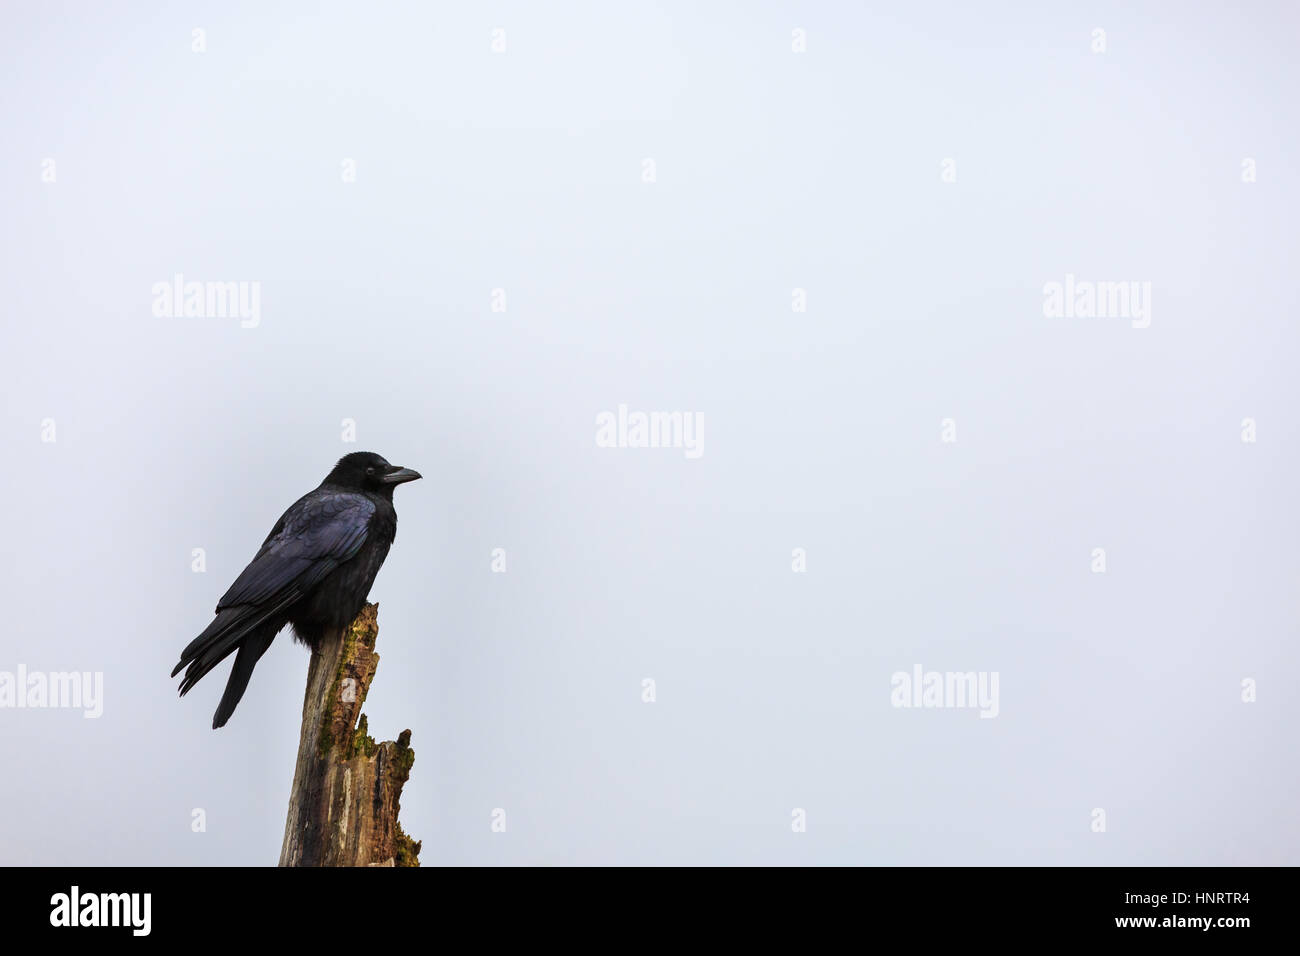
(314, 571)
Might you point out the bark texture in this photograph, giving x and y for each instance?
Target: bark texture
(346, 788)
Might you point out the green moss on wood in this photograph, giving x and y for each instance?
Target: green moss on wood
(403, 756)
(362, 742)
(408, 850)
(364, 629)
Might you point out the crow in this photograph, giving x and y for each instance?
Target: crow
(314, 571)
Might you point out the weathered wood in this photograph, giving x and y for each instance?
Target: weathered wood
(346, 788)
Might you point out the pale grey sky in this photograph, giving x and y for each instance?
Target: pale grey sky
(773, 170)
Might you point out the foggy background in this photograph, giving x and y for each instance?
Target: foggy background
(773, 170)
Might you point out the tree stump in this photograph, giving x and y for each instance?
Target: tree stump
(346, 788)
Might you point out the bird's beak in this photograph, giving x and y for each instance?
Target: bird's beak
(399, 475)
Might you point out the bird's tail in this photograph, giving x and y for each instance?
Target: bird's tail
(246, 629)
(250, 652)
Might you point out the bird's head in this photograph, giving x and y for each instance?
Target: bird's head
(366, 471)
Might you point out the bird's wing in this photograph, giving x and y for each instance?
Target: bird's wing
(314, 537)
(317, 534)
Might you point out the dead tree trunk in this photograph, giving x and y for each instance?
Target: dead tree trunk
(346, 788)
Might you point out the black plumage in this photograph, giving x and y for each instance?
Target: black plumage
(314, 571)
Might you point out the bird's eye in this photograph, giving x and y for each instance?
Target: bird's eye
(370, 470)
